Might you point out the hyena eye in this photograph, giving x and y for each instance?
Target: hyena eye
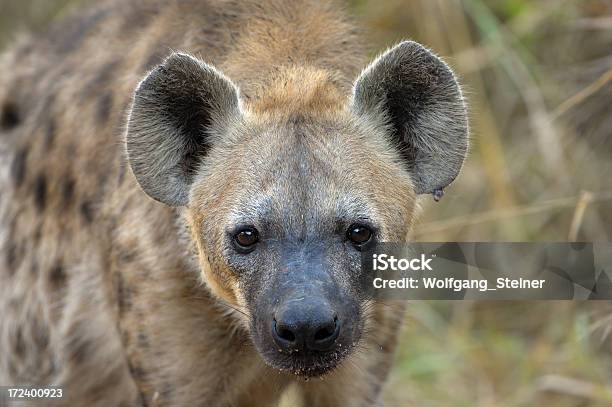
(246, 238)
(359, 234)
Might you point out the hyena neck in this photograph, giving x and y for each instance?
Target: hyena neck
(289, 42)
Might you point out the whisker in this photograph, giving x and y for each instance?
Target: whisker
(234, 308)
(224, 304)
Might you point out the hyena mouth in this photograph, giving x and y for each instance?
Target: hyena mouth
(319, 366)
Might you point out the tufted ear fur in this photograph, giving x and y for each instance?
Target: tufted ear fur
(417, 95)
(176, 113)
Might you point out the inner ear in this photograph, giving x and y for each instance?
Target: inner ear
(178, 111)
(417, 96)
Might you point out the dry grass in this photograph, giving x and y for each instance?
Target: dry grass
(538, 79)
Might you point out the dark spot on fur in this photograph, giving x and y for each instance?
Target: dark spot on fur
(50, 133)
(57, 276)
(13, 227)
(11, 258)
(106, 74)
(40, 334)
(71, 150)
(122, 171)
(124, 295)
(9, 117)
(125, 299)
(12, 368)
(127, 256)
(18, 167)
(40, 192)
(126, 338)
(20, 346)
(139, 375)
(298, 121)
(77, 345)
(38, 233)
(105, 105)
(67, 191)
(13, 304)
(87, 211)
(102, 178)
(143, 340)
(100, 80)
(137, 372)
(80, 349)
(166, 392)
(34, 267)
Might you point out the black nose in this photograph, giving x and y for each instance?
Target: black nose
(304, 326)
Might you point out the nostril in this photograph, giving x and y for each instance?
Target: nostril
(284, 333)
(326, 335)
(325, 332)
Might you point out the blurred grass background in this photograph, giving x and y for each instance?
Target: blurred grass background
(538, 76)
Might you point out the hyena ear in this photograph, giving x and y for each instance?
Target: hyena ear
(417, 96)
(178, 110)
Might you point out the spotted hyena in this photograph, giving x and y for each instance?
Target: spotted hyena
(185, 189)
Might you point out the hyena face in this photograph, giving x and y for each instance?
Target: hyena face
(284, 193)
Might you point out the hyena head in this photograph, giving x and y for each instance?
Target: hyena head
(285, 192)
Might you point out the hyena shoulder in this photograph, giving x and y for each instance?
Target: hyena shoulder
(63, 101)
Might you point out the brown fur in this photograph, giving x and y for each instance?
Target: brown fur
(116, 297)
